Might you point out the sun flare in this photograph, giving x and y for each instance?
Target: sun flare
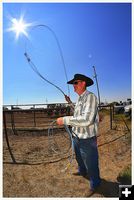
(19, 26)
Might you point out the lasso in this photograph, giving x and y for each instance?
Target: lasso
(34, 68)
(57, 148)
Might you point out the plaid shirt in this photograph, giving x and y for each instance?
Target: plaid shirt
(85, 120)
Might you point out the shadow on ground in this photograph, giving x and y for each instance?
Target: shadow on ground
(124, 180)
(108, 189)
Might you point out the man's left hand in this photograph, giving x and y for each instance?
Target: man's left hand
(60, 121)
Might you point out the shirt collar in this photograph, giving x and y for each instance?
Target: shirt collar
(82, 95)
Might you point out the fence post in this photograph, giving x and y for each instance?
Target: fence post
(113, 111)
(111, 117)
(34, 117)
(6, 135)
(12, 121)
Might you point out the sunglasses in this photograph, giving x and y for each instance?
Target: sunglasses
(76, 82)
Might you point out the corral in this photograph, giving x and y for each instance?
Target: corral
(42, 166)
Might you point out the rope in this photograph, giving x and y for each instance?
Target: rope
(72, 155)
(62, 58)
(34, 68)
(55, 147)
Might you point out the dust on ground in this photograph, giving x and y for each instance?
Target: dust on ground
(51, 180)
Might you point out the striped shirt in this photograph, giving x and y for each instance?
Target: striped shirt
(85, 120)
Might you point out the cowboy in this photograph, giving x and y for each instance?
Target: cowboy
(84, 124)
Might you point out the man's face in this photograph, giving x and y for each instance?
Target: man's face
(79, 86)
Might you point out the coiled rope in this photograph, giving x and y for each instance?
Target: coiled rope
(56, 148)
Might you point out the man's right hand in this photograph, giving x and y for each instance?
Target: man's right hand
(68, 99)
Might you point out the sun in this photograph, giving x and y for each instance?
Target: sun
(19, 27)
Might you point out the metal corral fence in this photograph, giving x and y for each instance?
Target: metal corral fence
(33, 116)
(39, 116)
(26, 125)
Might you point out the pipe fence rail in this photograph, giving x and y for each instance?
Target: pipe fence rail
(25, 131)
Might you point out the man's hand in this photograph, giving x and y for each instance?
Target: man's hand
(60, 121)
(68, 99)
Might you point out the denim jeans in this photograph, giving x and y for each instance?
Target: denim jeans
(86, 152)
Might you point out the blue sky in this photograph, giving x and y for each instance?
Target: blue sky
(90, 34)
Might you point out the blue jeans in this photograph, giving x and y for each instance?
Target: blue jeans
(86, 152)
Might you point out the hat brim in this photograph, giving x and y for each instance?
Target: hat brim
(88, 81)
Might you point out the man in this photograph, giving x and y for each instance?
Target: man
(84, 124)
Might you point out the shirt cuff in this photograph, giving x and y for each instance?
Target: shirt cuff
(66, 120)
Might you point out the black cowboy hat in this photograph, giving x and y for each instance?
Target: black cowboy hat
(82, 77)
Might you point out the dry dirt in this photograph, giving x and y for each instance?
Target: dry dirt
(34, 176)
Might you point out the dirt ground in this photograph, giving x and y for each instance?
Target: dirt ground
(34, 176)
